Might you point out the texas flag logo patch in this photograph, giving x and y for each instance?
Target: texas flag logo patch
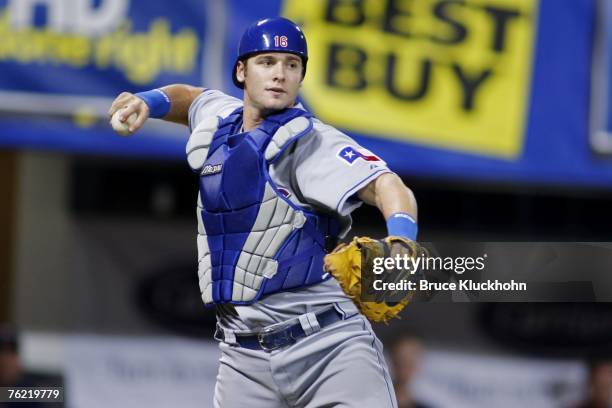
(350, 154)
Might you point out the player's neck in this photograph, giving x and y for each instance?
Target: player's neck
(252, 117)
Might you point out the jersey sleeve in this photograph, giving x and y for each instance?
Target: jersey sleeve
(330, 168)
(211, 103)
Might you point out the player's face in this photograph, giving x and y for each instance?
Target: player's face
(272, 80)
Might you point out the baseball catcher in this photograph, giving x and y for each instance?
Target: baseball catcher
(276, 188)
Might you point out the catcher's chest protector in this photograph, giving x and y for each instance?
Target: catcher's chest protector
(252, 241)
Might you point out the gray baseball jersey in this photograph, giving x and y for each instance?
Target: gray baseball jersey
(322, 171)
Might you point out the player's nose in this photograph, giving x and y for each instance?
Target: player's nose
(279, 71)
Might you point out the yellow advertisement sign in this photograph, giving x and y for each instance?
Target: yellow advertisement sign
(444, 73)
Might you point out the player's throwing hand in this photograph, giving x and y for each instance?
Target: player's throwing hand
(128, 113)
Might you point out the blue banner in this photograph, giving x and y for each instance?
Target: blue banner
(73, 47)
(488, 90)
(63, 62)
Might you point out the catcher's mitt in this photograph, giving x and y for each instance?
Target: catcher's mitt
(345, 264)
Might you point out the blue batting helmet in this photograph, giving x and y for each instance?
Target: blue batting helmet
(271, 35)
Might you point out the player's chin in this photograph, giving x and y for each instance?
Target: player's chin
(277, 103)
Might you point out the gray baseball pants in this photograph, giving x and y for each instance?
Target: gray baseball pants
(341, 365)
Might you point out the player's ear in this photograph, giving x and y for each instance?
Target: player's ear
(241, 71)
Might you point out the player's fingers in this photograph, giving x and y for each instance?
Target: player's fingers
(120, 101)
(134, 105)
(116, 105)
(142, 115)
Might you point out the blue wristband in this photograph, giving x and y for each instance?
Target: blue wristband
(402, 225)
(157, 101)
